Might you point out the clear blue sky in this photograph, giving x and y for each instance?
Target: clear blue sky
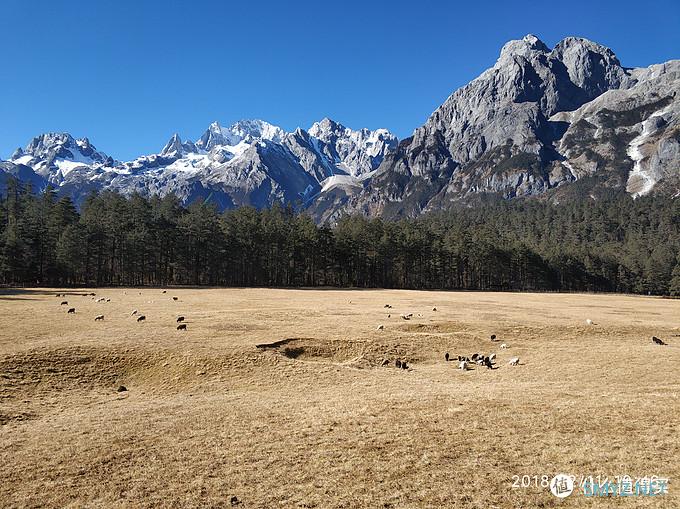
(127, 74)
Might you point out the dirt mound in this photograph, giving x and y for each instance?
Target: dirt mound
(7, 417)
(355, 353)
(311, 349)
(60, 371)
(63, 369)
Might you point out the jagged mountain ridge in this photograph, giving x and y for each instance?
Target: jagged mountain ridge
(249, 163)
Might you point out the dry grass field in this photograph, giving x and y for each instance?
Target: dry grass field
(317, 422)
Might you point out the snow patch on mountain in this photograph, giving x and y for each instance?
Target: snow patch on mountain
(642, 178)
(23, 160)
(339, 180)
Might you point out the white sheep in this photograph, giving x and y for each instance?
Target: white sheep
(504, 346)
(514, 361)
(381, 327)
(134, 312)
(492, 357)
(98, 317)
(463, 365)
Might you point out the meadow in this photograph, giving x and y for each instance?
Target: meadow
(278, 398)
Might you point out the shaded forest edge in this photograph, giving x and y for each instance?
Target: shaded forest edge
(615, 244)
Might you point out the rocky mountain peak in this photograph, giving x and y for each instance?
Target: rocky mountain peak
(45, 142)
(257, 129)
(526, 46)
(48, 146)
(243, 130)
(173, 146)
(325, 125)
(591, 67)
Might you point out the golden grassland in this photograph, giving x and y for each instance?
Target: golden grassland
(318, 422)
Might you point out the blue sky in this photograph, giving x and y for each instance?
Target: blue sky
(127, 74)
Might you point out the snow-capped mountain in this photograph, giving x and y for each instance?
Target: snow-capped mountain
(250, 162)
(353, 152)
(55, 155)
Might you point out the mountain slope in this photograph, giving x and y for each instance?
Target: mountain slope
(630, 136)
(501, 133)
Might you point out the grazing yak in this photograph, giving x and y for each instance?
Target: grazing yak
(141, 318)
(98, 318)
(182, 326)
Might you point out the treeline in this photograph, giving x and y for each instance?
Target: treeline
(612, 245)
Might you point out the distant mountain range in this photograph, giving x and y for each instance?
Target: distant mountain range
(563, 123)
(249, 163)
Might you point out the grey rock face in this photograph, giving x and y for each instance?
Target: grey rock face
(493, 135)
(629, 137)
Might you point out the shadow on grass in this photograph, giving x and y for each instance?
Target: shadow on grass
(7, 293)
